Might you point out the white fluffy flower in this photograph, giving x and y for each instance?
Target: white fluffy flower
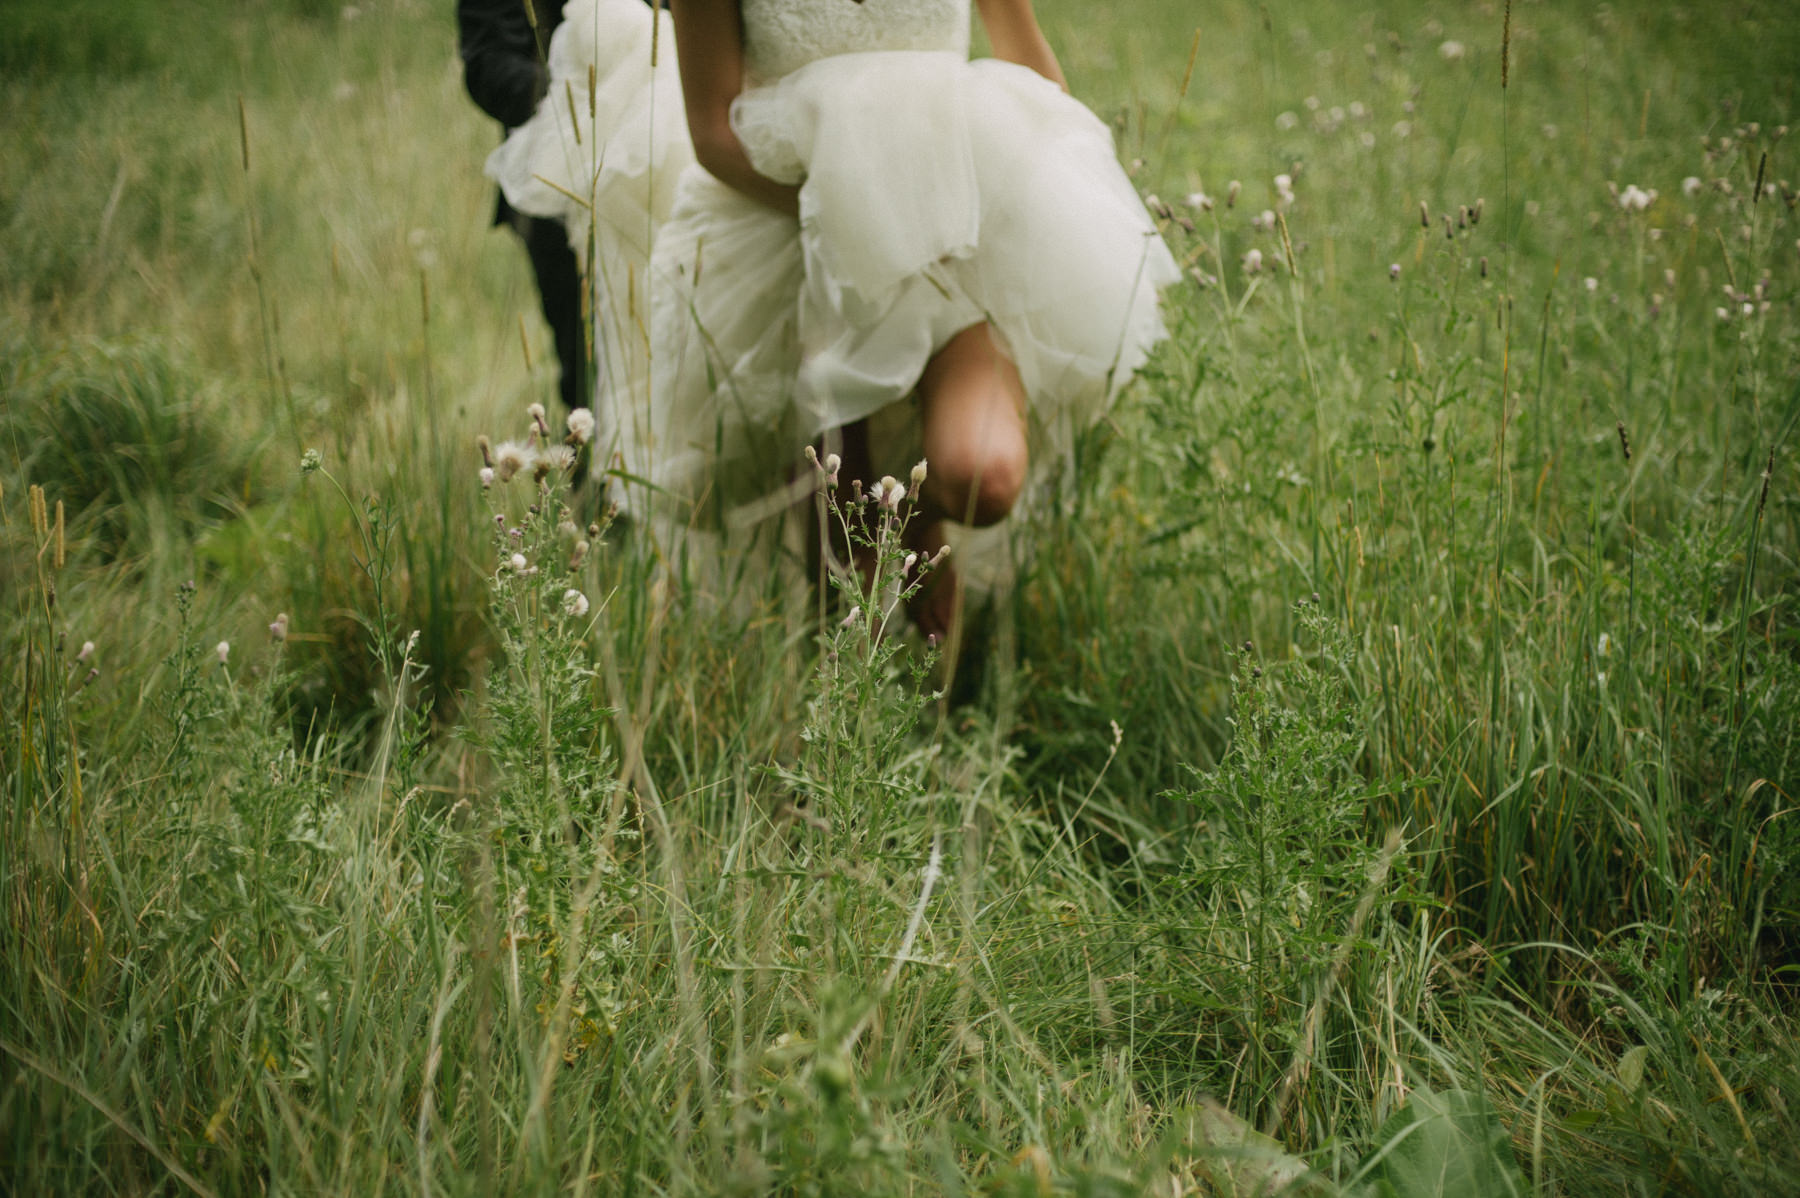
(556, 457)
(918, 474)
(574, 603)
(1253, 262)
(1200, 201)
(1451, 50)
(510, 457)
(1284, 190)
(1635, 198)
(888, 492)
(517, 562)
(222, 651)
(487, 477)
(278, 630)
(1691, 185)
(1591, 284)
(581, 425)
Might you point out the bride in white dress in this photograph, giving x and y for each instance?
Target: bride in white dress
(832, 224)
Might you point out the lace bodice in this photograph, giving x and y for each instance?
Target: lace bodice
(784, 35)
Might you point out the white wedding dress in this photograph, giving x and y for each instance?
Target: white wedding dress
(935, 193)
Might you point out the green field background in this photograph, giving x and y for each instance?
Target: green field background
(1380, 779)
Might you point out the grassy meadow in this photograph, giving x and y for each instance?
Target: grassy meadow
(1381, 780)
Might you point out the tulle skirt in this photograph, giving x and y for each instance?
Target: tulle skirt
(935, 194)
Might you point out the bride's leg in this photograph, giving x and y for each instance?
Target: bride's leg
(972, 405)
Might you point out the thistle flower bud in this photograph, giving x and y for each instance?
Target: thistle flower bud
(1231, 193)
(1484, 266)
(487, 477)
(279, 629)
(222, 651)
(918, 474)
(87, 651)
(574, 603)
(486, 448)
(1394, 272)
(811, 455)
(536, 412)
(579, 554)
(1475, 212)
(517, 562)
(1424, 215)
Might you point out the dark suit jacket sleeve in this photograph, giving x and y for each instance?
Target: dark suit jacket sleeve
(503, 66)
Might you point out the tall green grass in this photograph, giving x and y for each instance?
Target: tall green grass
(1382, 771)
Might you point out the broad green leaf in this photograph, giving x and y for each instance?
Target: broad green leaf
(1241, 1162)
(1631, 1069)
(1449, 1145)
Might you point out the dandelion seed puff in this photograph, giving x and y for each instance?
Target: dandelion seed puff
(556, 457)
(1286, 121)
(581, 425)
(1366, 139)
(222, 651)
(1402, 129)
(487, 477)
(1591, 284)
(1358, 109)
(1451, 51)
(1253, 262)
(574, 603)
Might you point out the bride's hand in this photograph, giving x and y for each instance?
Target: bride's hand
(709, 46)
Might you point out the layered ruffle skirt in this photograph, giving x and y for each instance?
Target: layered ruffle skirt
(935, 193)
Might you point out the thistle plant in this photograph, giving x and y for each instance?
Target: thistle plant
(550, 821)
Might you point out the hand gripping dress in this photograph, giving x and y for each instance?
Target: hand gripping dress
(935, 193)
